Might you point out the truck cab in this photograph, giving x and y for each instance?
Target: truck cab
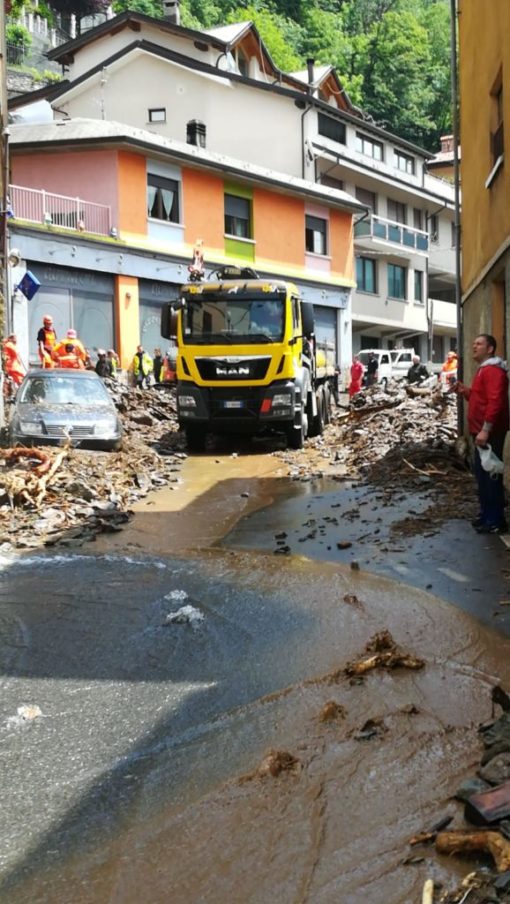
(246, 359)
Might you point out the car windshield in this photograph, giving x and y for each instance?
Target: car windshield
(224, 319)
(63, 391)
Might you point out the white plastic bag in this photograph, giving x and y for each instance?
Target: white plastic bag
(490, 461)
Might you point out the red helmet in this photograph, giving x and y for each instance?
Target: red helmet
(71, 334)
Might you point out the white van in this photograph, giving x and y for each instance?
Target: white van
(384, 369)
(401, 361)
(391, 364)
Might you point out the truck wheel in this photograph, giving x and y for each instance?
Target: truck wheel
(327, 405)
(296, 435)
(195, 439)
(317, 422)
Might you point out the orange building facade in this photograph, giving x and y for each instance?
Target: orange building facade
(159, 207)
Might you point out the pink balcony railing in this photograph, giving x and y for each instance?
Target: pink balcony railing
(45, 207)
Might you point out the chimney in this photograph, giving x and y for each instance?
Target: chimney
(309, 65)
(171, 12)
(195, 133)
(446, 144)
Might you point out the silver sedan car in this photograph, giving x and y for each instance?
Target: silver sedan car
(53, 405)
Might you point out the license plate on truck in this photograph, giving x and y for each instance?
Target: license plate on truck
(233, 404)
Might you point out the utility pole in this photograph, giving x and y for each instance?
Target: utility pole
(456, 174)
(4, 186)
(4, 171)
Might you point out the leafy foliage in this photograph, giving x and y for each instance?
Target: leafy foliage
(392, 56)
(148, 7)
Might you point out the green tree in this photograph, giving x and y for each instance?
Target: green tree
(148, 7)
(270, 28)
(394, 60)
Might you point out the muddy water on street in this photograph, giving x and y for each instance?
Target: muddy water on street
(138, 781)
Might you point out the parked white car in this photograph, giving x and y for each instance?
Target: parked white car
(401, 361)
(384, 369)
(392, 364)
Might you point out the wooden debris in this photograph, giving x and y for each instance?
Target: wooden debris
(428, 892)
(489, 806)
(92, 491)
(474, 843)
(385, 654)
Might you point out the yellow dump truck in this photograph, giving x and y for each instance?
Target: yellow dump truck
(247, 359)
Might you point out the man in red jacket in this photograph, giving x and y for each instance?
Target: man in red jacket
(488, 421)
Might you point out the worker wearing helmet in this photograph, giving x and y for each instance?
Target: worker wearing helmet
(46, 339)
(448, 374)
(70, 352)
(13, 365)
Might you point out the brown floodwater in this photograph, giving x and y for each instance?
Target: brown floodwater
(336, 827)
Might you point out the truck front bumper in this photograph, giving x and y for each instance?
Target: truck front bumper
(236, 409)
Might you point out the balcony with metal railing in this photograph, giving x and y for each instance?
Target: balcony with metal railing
(378, 229)
(49, 209)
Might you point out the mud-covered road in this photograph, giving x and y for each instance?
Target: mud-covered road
(141, 771)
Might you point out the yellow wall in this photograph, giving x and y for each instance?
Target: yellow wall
(484, 49)
(127, 318)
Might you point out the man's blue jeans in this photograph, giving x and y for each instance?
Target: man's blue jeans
(490, 489)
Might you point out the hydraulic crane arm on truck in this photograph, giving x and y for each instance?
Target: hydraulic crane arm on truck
(247, 360)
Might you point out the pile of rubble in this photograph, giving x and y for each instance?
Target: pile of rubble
(66, 496)
(400, 439)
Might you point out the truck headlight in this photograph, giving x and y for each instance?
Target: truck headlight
(187, 401)
(31, 427)
(282, 400)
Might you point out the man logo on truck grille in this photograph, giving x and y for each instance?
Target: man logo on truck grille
(232, 371)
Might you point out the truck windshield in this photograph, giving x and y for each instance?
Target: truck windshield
(221, 319)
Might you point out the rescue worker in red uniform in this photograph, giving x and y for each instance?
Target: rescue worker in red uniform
(46, 339)
(13, 365)
(70, 352)
(357, 371)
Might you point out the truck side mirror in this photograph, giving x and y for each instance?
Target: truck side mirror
(307, 318)
(168, 321)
